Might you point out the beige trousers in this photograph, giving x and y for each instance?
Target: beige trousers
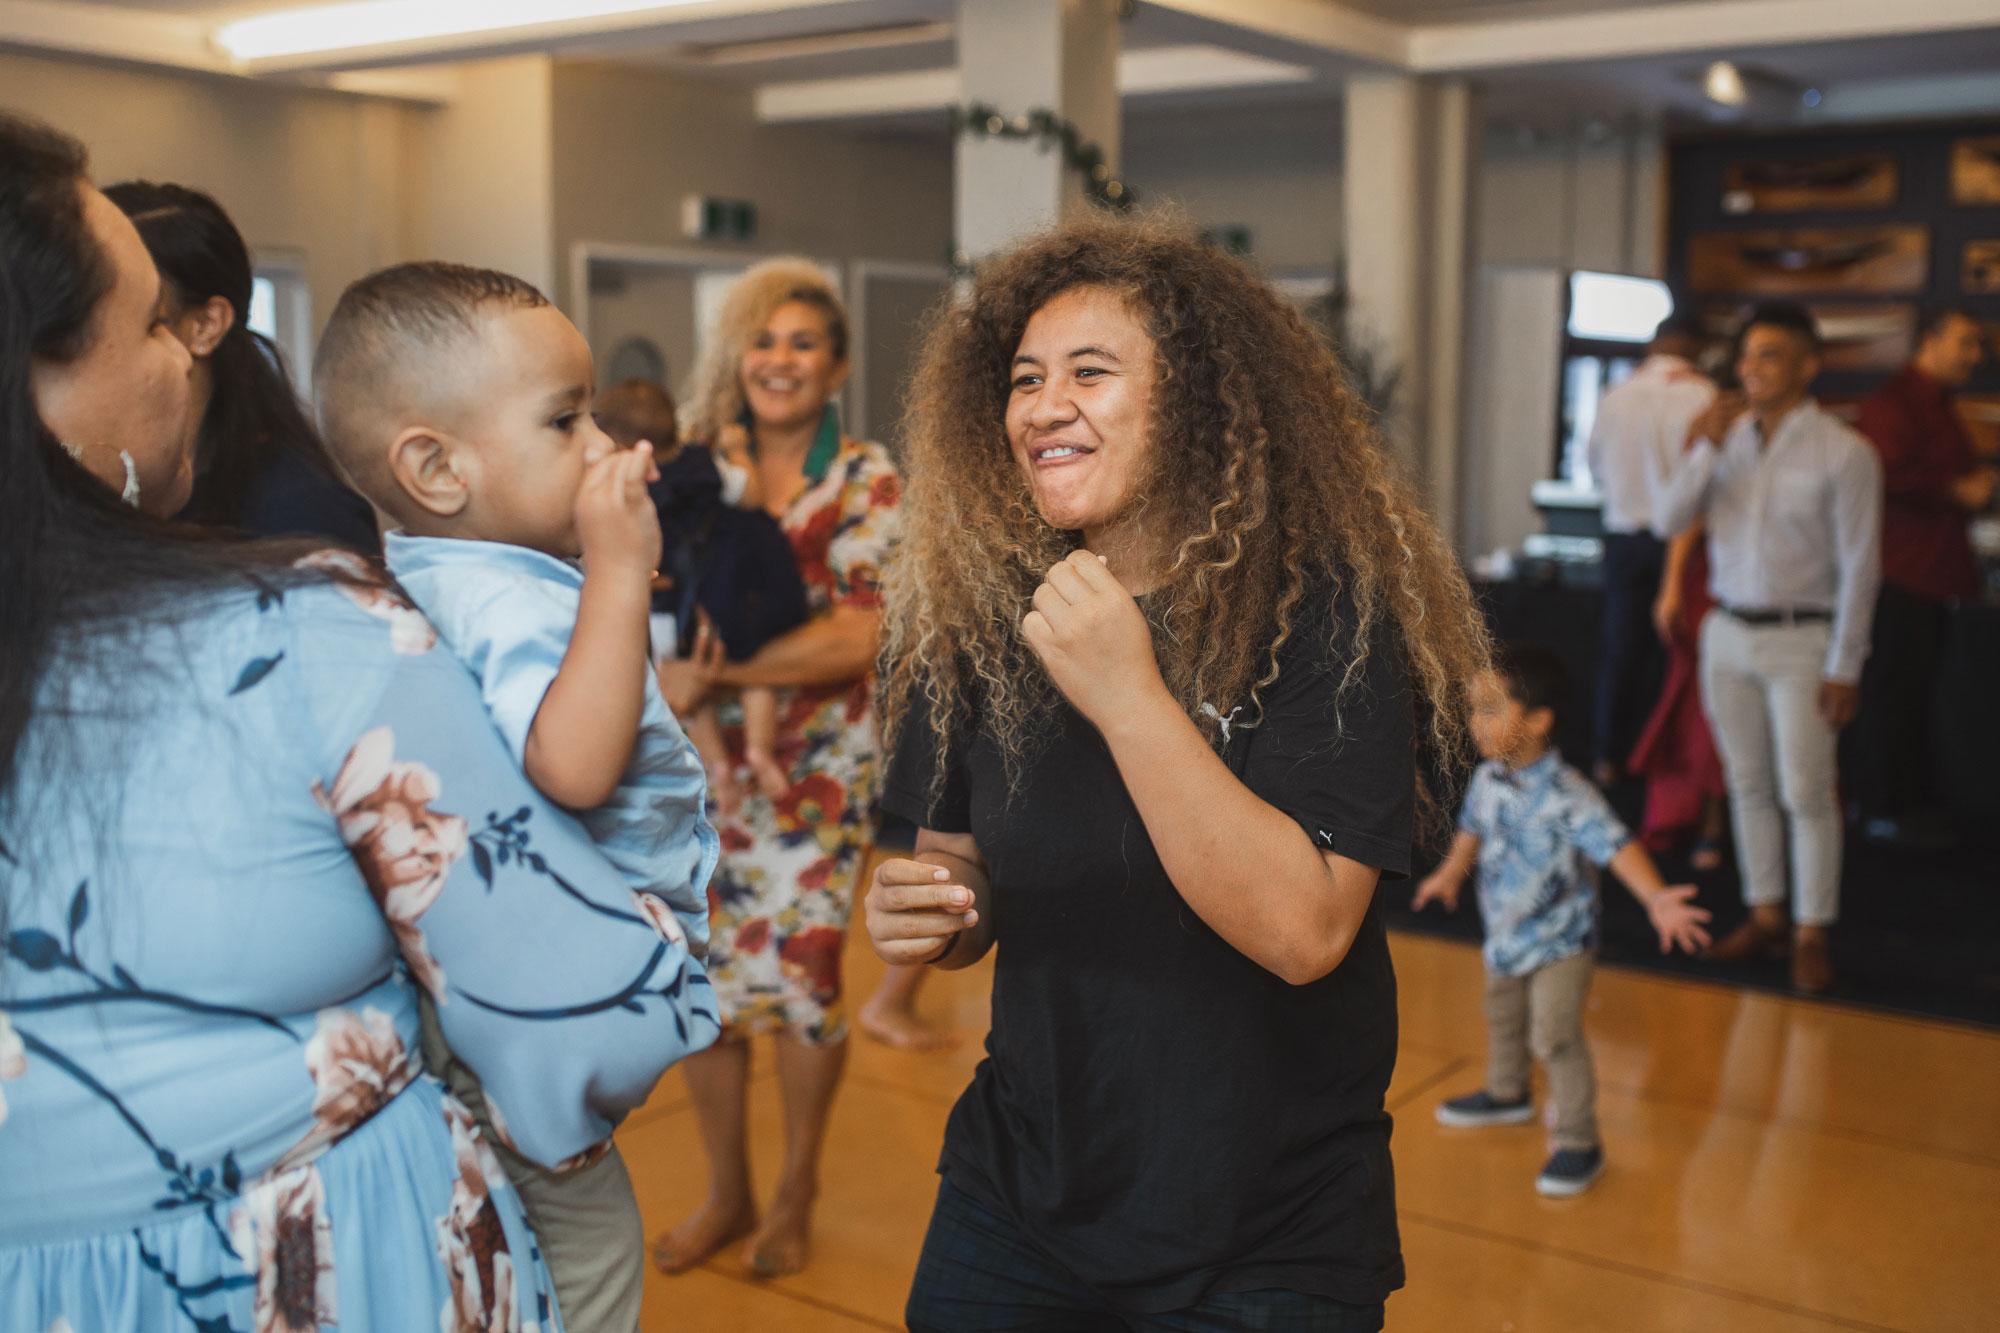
(1540, 1015)
(586, 1221)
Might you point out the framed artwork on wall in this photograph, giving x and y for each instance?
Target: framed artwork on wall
(1800, 260)
(1975, 170)
(1864, 338)
(1810, 185)
(1981, 270)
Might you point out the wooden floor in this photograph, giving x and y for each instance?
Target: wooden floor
(1773, 1164)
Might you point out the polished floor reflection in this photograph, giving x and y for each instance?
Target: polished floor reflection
(1773, 1164)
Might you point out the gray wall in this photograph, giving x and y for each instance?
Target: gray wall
(323, 173)
(630, 143)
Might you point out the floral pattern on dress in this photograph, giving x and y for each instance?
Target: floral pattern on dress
(409, 632)
(404, 848)
(783, 892)
(282, 1231)
(471, 1242)
(357, 1063)
(13, 1060)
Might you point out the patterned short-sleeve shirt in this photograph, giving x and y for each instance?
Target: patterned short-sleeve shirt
(1540, 830)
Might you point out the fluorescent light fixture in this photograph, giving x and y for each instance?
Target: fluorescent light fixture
(1615, 308)
(365, 23)
(1179, 69)
(1723, 83)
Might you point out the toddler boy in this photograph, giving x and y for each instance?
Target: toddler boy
(458, 401)
(1530, 822)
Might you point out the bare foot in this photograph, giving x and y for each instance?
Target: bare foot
(726, 791)
(894, 1025)
(772, 779)
(783, 1244)
(711, 1227)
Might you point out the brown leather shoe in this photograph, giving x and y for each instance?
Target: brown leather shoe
(1759, 937)
(1812, 961)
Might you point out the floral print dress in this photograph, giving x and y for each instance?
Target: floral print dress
(782, 894)
(213, 1116)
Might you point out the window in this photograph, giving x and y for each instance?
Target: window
(281, 310)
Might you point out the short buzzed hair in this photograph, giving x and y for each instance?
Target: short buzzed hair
(388, 331)
(637, 410)
(1789, 316)
(1934, 318)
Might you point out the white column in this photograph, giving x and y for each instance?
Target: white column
(1407, 194)
(1455, 125)
(1383, 195)
(1020, 56)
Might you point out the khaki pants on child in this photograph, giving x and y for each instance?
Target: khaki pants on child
(586, 1221)
(1541, 1015)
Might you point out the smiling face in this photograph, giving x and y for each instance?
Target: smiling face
(792, 368)
(129, 389)
(1776, 366)
(1079, 407)
(1953, 351)
(527, 437)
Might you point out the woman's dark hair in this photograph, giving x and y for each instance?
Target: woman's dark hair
(253, 414)
(78, 568)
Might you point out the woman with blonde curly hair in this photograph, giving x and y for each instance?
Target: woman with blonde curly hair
(1162, 639)
(784, 889)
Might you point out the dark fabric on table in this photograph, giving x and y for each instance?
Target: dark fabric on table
(1628, 673)
(735, 564)
(978, 1273)
(1169, 1117)
(1924, 448)
(1891, 766)
(292, 498)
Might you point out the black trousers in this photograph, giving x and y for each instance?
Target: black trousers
(1889, 768)
(1630, 660)
(978, 1273)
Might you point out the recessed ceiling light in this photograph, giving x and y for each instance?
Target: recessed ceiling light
(1723, 83)
(363, 23)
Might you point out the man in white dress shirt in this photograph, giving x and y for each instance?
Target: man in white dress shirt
(1793, 502)
(1635, 445)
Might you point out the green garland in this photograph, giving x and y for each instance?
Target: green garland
(1100, 185)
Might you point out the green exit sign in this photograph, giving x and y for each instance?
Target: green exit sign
(706, 218)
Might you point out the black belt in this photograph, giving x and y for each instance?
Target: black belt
(1801, 615)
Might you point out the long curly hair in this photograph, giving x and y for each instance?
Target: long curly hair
(714, 394)
(1263, 483)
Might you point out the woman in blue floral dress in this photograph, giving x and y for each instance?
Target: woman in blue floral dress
(247, 806)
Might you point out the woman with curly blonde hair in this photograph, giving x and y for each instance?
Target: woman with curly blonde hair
(783, 892)
(1162, 640)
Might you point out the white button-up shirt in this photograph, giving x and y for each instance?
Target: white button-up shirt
(1795, 524)
(1637, 439)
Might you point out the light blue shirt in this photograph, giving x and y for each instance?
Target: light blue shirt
(1538, 828)
(507, 612)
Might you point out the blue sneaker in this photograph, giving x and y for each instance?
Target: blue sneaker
(1570, 1172)
(1481, 1109)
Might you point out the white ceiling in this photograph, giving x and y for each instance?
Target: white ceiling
(726, 48)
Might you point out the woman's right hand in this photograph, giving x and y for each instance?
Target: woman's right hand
(686, 682)
(913, 909)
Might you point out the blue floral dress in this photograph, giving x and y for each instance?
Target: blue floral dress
(212, 1113)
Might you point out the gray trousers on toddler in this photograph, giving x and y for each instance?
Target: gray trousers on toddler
(1540, 1016)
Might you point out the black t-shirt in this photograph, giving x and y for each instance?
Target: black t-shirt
(1162, 1115)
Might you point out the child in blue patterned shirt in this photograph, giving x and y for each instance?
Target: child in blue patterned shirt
(1530, 822)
